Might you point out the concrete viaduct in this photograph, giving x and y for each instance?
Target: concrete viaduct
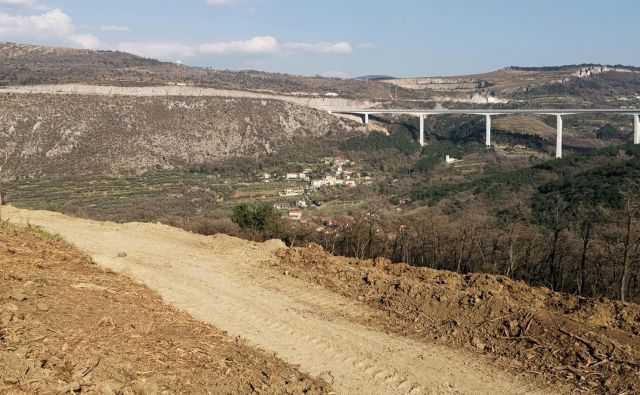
(421, 114)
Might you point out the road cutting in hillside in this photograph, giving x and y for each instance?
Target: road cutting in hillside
(221, 280)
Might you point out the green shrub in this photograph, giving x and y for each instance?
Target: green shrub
(377, 141)
(260, 217)
(608, 132)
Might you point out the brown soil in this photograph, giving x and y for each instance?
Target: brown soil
(227, 282)
(588, 345)
(68, 326)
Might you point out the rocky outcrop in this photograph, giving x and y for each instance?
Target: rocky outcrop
(586, 72)
(441, 84)
(476, 98)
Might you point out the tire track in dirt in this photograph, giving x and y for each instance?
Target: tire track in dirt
(219, 280)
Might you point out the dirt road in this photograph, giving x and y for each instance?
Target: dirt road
(219, 280)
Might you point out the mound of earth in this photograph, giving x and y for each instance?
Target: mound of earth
(228, 283)
(591, 345)
(67, 326)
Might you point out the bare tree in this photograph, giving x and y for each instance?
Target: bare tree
(630, 193)
(586, 218)
(3, 162)
(555, 219)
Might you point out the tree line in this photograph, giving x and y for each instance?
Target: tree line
(579, 234)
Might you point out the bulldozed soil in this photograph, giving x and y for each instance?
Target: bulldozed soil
(586, 345)
(69, 326)
(230, 283)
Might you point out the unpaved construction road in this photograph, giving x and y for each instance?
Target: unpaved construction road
(220, 280)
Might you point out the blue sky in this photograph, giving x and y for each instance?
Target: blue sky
(339, 37)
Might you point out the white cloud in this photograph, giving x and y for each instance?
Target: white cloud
(164, 51)
(322, 47)
(85, 41)
(114, 28)
(258, 44)
(220, 2)
(54, 23)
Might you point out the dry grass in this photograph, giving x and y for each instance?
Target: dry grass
(525, 125)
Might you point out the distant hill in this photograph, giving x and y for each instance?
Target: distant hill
(570, 85)
(573, 67)
(50, 135)
(57, 135)
(22, 64)
(558, 86)
(374, 77)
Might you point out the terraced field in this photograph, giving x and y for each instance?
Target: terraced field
(149, 197)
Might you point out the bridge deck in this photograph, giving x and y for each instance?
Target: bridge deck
(542, 111)
(488, 113)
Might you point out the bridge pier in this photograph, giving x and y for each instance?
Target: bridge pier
(559, 136)
(488, 134)
(422, 130)
(488, 113)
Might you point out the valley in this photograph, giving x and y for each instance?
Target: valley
(346, 254)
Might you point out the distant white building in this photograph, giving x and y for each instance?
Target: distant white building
(319, 183)
(296, 176)
(331, 94)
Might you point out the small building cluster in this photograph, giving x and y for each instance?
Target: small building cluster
(338, 176)
(341, 174)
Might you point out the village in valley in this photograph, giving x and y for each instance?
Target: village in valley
(338, 172)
